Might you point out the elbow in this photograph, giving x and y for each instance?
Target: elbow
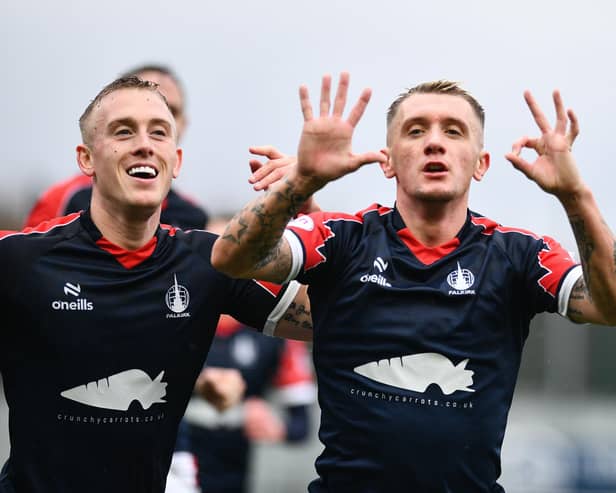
(225, 260)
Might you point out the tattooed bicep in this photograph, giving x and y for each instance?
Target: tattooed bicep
(581, 308)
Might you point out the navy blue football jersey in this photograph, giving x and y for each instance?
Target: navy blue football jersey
(417, 349)
(101, 348)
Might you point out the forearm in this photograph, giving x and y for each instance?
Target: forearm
(597, 250)
(252, 245)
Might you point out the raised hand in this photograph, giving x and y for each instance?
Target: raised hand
(276, 166)
(324, 152)
(554, 169)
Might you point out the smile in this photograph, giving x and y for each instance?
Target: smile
(143, 171)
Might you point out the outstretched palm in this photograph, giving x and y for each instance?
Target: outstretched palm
(554, 169)
(325, 152)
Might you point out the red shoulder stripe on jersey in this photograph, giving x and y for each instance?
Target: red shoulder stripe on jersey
(53, 202)
(43, 227)
(553, 258)
(381, 209)
(314, 231)
(490, 226)
(129, 258)
(171, 229)
(427, 255)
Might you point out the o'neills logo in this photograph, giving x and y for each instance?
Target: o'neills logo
(80, 304)
(76, 305)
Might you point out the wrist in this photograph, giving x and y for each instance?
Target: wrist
(304, 185)
(572, 201)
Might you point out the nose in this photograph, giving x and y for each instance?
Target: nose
(143, 145)
(434, 142)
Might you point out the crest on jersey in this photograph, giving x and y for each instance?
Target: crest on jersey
(461, 280)
(177, 299)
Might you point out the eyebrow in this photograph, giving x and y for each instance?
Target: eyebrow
(131, 122)
(422, 120)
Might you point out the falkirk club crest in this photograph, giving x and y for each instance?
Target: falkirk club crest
(461, 280)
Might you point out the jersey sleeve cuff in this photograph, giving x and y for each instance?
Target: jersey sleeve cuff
(280, 308)
(565, 289)
(297, 254)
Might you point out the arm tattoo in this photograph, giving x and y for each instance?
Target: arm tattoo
(298, 315)
(585, 244)
(578, 297)
(264, 247)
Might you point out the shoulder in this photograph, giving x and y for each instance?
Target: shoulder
(54, 201)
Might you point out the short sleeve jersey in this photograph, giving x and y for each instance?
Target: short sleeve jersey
(74, 194)
(101, 347)
(417, 349)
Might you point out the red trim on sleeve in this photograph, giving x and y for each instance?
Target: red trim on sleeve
(270, 287)
(314, 232)
(553, 258)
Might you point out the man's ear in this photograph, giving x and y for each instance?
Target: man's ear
(388, 169)
(84, 160)
(178, 163)
(481, 168)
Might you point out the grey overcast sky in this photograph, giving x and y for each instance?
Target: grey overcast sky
(242, 63)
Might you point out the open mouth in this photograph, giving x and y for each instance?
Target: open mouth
(143, 171)
(435, 168)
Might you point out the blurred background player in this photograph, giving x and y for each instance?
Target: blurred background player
(73, 194)
(222, 442)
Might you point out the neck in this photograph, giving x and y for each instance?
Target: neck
(128, 229)
(433, 223)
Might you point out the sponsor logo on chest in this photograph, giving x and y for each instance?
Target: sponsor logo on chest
(75, 302)
(378, 275)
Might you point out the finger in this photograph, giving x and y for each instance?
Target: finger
(268, 151)
(341, 94)
(538, 115)
(304, 101)
(266, 181)
(517, 146)
(520, 164)
(326, 86)
(359, 160)
(561, 115)
(575, 126)
(261, 170)
(526, 142)
(359, 108)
